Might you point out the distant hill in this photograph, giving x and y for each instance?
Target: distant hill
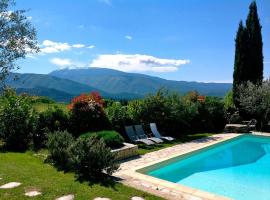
(46, 81)
(116, 82)
(63, 85)
(59, 89)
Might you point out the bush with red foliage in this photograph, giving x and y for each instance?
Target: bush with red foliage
(87, 114)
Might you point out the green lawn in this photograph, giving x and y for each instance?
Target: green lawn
(143, 149)
(41, 107)
(33, 173)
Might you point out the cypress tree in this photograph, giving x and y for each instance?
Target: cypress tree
(240, 60)
(248, 62)
(255, 59)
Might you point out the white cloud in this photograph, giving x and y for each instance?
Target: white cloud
(128, 37)
(137, 63)
(30, 18)
(62, 62)
(49, 46)
(78, 45)
(67, 63)
(91, 47)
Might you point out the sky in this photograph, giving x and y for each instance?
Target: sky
(190, 40)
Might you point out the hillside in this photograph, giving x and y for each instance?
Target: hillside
(46, 81)
(114, 81)
(59, 89)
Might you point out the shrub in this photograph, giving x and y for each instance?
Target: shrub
(87, 114)
(17, 121)
(214, 114)
(118, 116)
(53, 119)
(91, 158)
(178, 115)
(59, 149)
(151, 109)
(112, 139)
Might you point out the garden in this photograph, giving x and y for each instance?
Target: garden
(72, 144)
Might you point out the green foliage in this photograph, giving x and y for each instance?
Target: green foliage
(248, 64)
(174, 114)
(214, 118)
(53, 119)
(112, 139)
(228, 101)
(59, 149)
(255, 101)
(18, 37)
(91, 158)
(118, 116)
(17, 121)
(152, 108)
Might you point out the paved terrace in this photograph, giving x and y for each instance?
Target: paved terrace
(168, 190)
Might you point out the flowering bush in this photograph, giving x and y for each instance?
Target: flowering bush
(87, 113)
(92, 97)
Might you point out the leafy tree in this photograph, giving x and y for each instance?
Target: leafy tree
(17, 37)
(53, 119)
(17, 121)
(118, 116)
(255, 100)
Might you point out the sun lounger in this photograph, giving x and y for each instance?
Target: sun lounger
(156, 133)
(134, 138)
(252, 124)
(141, 134)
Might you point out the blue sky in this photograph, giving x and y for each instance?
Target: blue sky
(190, 40)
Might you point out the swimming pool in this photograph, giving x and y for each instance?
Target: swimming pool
(238, 168)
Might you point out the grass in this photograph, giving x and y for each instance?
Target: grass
(41, 107)
(30, 170)
(143, 149)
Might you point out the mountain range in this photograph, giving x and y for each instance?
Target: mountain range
(63, 85)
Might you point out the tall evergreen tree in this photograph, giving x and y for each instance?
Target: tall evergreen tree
(248, 63)
(255, 59)
(240, 60)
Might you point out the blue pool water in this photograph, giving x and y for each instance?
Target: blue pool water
(238, 169)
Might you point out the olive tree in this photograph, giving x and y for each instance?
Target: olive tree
(255, 100)
(17, 37)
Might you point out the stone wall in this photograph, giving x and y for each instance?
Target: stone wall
(127, 151)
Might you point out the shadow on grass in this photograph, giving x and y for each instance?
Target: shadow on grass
(102, 180)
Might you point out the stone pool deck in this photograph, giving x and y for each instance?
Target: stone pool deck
(168, 190)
